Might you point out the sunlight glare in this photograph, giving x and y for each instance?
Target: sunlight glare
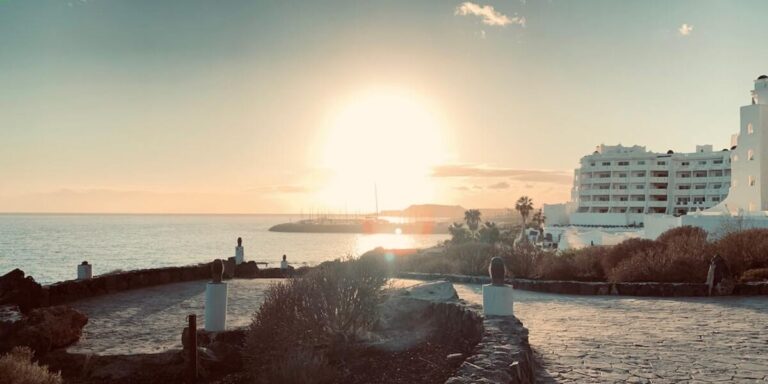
(387, 137)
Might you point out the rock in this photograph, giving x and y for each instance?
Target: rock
(46, 328)
(455, 358)
(229, 268)
(436, 291)
(248, 269)
(22, 291)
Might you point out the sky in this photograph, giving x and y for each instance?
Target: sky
(284, 107)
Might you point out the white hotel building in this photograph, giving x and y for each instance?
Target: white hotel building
(619, 186)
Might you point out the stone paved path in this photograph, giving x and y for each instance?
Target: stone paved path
(582, 339)
(150, 320)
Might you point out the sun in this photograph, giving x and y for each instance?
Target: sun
(384, 137)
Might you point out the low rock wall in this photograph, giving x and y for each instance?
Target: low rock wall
(598, 288)
(22, 291)
(72, 290)
(503, 355)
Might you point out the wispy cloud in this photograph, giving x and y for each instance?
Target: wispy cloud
(280, 189)
(526, 175)
(499, 185)
(685, 29)
(489, 15)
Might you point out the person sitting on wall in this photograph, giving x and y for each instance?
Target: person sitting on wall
(284, 264)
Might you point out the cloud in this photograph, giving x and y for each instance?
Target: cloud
(489, 15)
(462, 188)
(499, 185)
(525, 175)
(685, 29)
(280, 189)
(477, 187)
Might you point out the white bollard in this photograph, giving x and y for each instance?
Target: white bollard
(216, 307)
(84, 271)
(239, 255)
(498, 300)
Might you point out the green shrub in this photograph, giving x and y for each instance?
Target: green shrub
(17, 367)
(319, 315)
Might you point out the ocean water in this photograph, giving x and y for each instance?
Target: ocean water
(49, 247)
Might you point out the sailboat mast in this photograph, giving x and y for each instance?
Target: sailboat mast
(376, 197)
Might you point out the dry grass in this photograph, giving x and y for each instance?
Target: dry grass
(17, 367)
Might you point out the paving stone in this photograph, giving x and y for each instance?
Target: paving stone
(723, 339)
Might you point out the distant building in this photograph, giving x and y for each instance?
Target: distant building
(629, 186)
(617, 185)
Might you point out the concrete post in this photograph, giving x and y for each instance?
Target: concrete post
(216, 300)
(498, 297)
(84, 271)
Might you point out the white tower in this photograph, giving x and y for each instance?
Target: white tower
(749, 161)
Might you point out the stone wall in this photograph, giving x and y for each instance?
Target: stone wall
(72, 290)
(597, 288)
(23, 291)
(503, 355)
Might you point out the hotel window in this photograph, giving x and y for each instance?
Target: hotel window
(622, 163)
(686, 163)
(750, 129)
(751, 181)
(592, 164)
(717, 162)
(640, 186)
(716, 198)
(703, 162)
(661, 163)
(606, 163)
(750, 154)
(717, 186)
(641, 162)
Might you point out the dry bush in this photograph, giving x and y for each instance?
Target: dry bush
(301, 366)
(470, 258)
(681, 255)
(17, 367)
(319, 315)
(553, 267)
(683, 232)
(759, 274)
(587, 263)
(744, 250)
(624, 251)
(522, 260)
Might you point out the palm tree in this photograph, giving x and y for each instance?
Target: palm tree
(472, 217)
(524, 205)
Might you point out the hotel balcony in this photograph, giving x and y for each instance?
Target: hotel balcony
(657, 204)
(659, 179)
(658, 191)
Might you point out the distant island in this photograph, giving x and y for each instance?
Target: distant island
(416, 219)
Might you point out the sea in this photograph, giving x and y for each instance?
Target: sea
(49, 246)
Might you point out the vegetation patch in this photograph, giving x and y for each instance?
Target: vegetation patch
(680, 255)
